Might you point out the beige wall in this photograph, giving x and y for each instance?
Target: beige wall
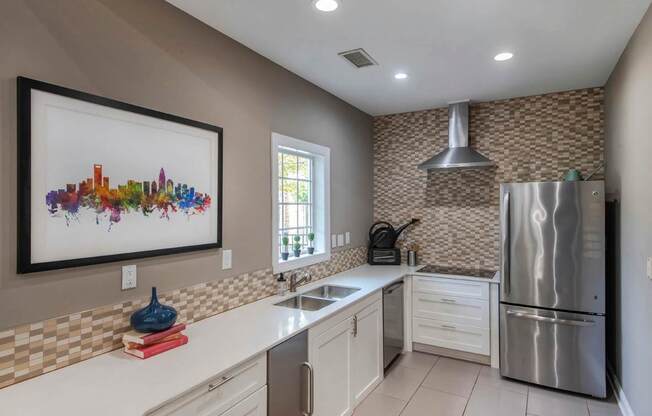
(535, 138)
(629, 179)
(151, 54)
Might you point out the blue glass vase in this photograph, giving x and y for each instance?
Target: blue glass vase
(153, 317)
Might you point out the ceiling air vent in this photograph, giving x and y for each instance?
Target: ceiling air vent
(358, 57)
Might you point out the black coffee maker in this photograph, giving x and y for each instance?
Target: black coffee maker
(382, 238)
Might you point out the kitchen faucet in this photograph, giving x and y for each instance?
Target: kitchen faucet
(294, 282)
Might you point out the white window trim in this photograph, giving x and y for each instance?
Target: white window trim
(322, 201)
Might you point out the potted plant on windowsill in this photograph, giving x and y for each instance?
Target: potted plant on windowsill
(297, 246)
(311, 246)
(285, 242)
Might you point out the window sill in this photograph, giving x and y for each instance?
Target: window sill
(297, 262)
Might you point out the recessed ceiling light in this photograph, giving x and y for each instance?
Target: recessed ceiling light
(504, 56)
(326, 5)
(400, 75)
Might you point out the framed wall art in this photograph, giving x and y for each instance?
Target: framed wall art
(101, 180)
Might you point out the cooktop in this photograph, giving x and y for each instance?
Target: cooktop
(457, 271)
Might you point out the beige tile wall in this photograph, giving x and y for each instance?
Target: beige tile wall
(531, 138)
(33, 349)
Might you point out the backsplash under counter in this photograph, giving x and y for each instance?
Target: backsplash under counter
(33, 349)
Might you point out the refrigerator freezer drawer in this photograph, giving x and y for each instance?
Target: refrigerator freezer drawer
(555, 349)
(452, 336)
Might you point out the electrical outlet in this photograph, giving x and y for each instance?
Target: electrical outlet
(649, 268)
(333, 241)
(347, 238)
(340, 240)
(129, 277)
(226, 259)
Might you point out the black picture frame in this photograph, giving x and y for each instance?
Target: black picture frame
(24, 264)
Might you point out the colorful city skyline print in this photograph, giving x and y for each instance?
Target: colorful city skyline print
(159, 198)
(105, 181)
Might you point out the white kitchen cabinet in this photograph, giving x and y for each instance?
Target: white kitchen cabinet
(330, 356)
(254, 405)
(367, 351)
(217, 395)
(451, 314)
(346, 354)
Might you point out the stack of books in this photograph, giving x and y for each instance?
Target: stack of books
(147, 345)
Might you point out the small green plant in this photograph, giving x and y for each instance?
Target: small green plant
(297, 246)
(285, 241)
(311, 246)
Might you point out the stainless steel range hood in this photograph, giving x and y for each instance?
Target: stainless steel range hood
(458, 155)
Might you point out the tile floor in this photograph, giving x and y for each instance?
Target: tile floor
(426, 385)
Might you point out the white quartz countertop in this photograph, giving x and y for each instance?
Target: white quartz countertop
(495, 279)
(118, 384)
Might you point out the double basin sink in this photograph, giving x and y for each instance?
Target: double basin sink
(318, 298)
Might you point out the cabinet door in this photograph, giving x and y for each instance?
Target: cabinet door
(367, 352)
(330, 355)
(254, 405)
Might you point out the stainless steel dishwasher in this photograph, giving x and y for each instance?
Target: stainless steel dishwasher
(393, 331)
(290, 378)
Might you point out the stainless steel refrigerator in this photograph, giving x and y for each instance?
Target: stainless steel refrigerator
(552, 301)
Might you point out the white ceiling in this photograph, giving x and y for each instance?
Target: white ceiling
(446, 46)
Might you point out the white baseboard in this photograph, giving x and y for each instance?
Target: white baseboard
(623, 404)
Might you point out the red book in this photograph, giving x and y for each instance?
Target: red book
(146, 339)
(152, 350)
(130, 345)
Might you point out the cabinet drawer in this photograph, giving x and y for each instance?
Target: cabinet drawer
(450, 287)
(254, 405)
(219, 394)
(452, 309)
(452, 336)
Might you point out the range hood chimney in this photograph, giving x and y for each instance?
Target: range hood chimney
(458, 155)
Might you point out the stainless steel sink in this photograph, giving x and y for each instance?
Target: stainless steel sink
(331, 292)
(306, 303)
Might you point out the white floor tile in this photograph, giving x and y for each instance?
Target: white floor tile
(453, 376)
(491, 377)
(417, 360)
(491, 401)
(543, 402)
(427, 402)
(377, 404)
(401, 382)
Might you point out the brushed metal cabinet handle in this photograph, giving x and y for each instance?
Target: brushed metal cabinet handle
(449, 326)
(222, 382)
(571, 322)
(311, 389)
(448, 300)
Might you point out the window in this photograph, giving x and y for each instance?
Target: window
(301, 203)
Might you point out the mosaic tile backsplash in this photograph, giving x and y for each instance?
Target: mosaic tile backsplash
(533, 138)
(34, 349)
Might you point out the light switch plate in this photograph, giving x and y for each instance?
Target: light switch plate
(340, 240)
(333, 241)
(226, 259)
(347, 238)
(649, 268)
(129, 277)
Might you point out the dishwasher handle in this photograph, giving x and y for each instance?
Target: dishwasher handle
(390, 289)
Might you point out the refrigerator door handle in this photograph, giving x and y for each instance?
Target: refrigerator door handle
(504, 269)
(311, 389)
(571, 322)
